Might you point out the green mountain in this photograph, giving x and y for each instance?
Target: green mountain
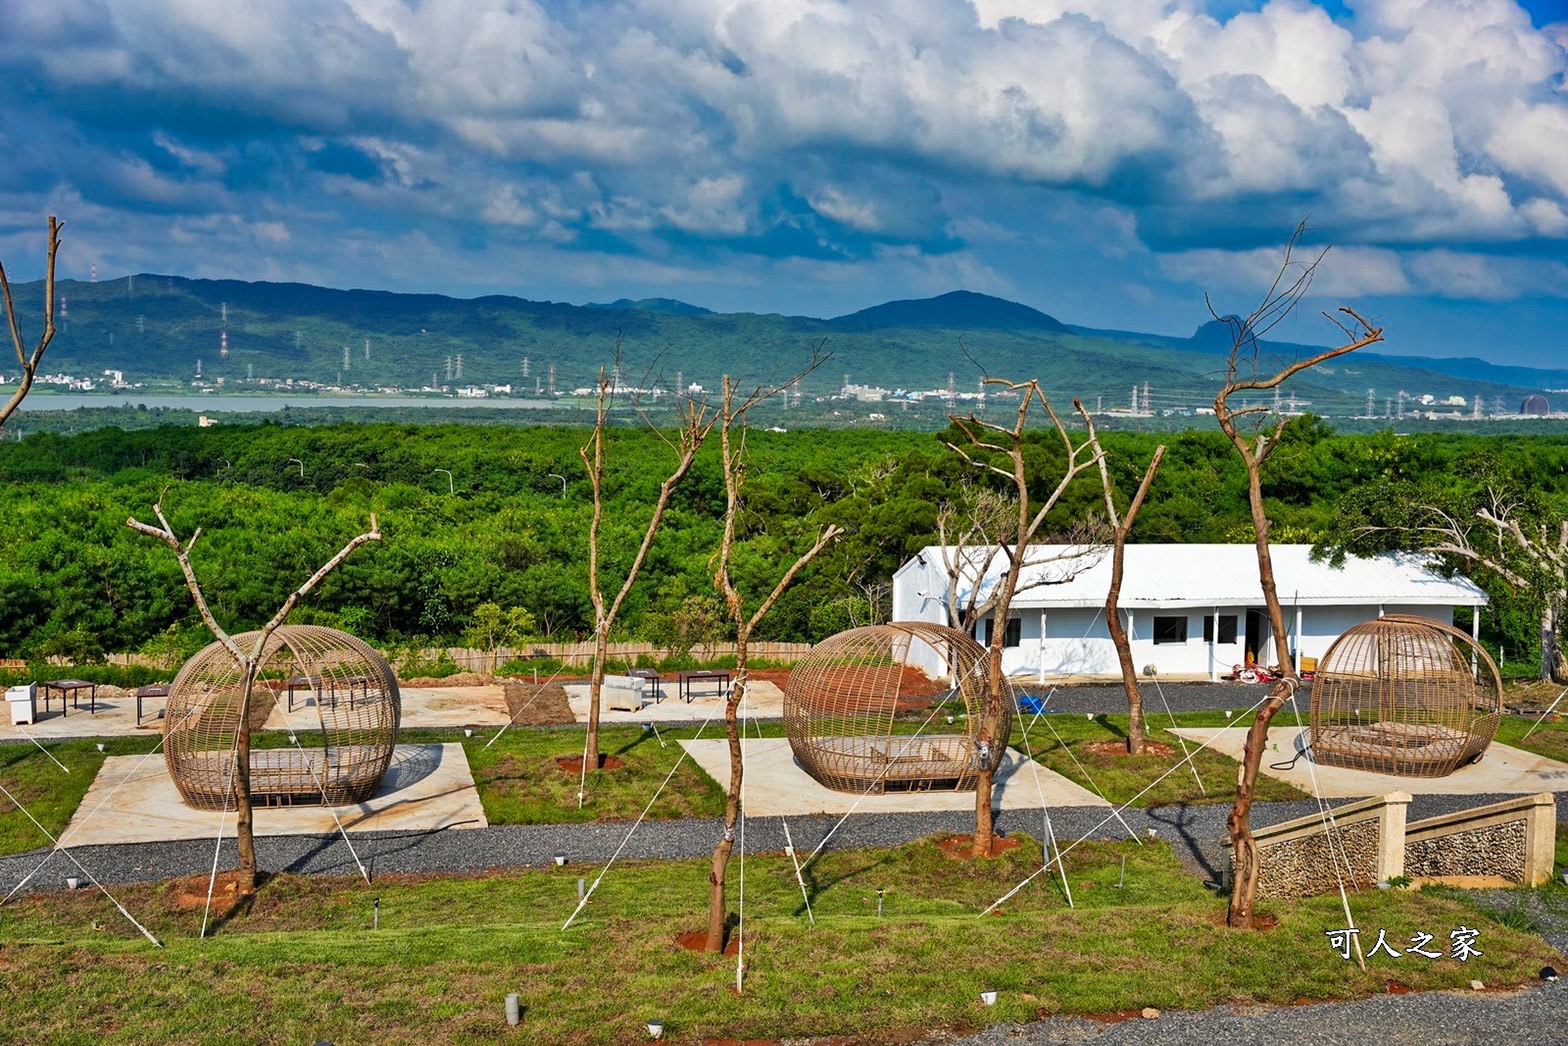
(155, 329)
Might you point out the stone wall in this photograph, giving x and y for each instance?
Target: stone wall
(1305, 866)
(1495, 850)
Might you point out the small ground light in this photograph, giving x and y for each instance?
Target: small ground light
(560, 860)
(375, 915)
(468, 731)
(1548, 973)
(988, 998)
(655, 1029)
(880, 891)
(514, 1009)
(100, 746)
(72, 882)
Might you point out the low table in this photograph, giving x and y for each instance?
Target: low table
(684, 680)
(73, 688)
(157, 690)
(317, 684)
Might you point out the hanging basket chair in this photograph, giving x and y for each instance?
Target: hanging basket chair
(842, 701)
(344, 720)
(1404, 695)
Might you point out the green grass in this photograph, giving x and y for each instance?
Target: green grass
(302, 963)
(49, 793)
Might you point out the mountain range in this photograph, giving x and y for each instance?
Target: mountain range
(155, 328)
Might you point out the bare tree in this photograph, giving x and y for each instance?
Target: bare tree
(999, 450)
(1528, 555)
(1254, 434)
(1120, 525)
(30, 360)
(249, 662)
(972, 535)
(696, 422)
(732, 441)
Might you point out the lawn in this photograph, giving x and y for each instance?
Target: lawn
(303, 963)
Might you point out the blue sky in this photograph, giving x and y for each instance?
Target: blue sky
(1107, 161)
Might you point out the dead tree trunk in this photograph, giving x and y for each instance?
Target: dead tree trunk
(1120, 527)
(249, 662)
(1243, 375)
(696, 422)
(30, 360)
(732, 441)
(989, 444)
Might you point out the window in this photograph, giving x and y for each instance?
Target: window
(1170, 630)
(1227, 631)
(1012, 635)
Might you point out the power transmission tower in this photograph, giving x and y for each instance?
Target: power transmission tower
(460, 366)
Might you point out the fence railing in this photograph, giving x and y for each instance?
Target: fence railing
(572, 655)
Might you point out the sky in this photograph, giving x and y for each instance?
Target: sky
(1110, 162)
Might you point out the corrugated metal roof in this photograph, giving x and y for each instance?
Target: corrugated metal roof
(1213, 575)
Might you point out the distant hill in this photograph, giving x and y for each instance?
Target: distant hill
(160, 329)
(668, 306)
(955, 310)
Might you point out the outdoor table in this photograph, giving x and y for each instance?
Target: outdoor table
(315, 683)
(684, 680)
(157, 690)
(72, 688)
(651, 675)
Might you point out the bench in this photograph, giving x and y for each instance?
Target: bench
(624, 693)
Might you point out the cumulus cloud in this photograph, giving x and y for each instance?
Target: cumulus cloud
(1425, 137)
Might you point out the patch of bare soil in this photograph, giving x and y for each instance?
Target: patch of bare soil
(697, 940)
(1113, 748)
(1260, 920)
(457, 679)
(573, 764)
(541, 705)
(191, 892)
(961, 847)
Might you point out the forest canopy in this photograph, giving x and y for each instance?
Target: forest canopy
(272, 501)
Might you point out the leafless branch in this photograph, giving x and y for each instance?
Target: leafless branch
(29, 360)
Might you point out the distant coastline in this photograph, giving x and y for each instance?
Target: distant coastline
(265, 403)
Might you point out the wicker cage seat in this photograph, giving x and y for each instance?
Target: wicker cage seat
(342, 728)
(842, 702)
(1404, 695)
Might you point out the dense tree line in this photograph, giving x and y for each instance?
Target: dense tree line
(273, 501)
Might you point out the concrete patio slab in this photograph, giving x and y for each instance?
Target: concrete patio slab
(776, 785)
(764, 700)
(133, 800)
(1503, 770)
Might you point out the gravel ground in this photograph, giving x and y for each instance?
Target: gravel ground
(1535, 1015)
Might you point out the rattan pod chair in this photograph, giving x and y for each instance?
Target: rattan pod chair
(842, 699)
(345, 716)
(1404, 695)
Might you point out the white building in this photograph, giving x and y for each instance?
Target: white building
(1190, 610)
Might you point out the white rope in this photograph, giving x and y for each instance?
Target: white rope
(67, 834)
(1049, 839)
(1544, 714)
(539, 689)
(740, 925)
(1131, 635)
(1330, 837)
(42, 749)
(1114, 814)
(1087, 775)
(223, 817)
(635, 825)
(81, 868)
(321, 778)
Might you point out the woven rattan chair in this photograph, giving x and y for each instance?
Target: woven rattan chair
(1404, 695)
(344, 721)
(842, 700)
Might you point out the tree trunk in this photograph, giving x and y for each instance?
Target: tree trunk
(601, 651)
(1553, 667)
(1244, 884)
(1113, 624)
(983, 823)
(244, 829)
(717, 913)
